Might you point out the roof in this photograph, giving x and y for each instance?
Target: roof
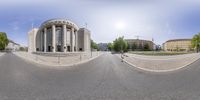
(60, 21)
(178, 40)
(137, 39)
(13, 42)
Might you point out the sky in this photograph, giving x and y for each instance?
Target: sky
(159, 20)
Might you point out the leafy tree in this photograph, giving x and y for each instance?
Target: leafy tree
(146, 46)
(196, 42)
(134, 46)
(120, 45)
(3, 40)
(94, 45)
(110, 46)
(22, 49)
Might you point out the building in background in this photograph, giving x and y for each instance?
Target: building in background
(59, 35)
(138, 44)
(158, 47)
(103, 46)
(12, 46)
(178, 45)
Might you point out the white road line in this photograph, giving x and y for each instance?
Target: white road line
(150, 70)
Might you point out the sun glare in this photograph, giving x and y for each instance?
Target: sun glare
(120, 25)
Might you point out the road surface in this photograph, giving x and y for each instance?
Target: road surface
(104, 78)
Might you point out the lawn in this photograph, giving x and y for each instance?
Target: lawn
(157, 53)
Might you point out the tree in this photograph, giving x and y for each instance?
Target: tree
(120, 45)
(110, 46)
(134, 46)
(94, 45)
(146, 46)
(3, 40)
(196, 42)
(22, 49)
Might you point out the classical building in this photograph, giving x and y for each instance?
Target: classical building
(178, 45)
(59, 35)
(140, 44)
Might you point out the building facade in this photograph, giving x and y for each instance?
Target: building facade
(178, 45)
(59, 35)
(12, 46)
(103, 46)
(140, 44)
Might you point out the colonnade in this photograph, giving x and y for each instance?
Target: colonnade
(73, 35)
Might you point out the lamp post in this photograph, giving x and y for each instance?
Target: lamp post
(122, 52)
(91, 53)
(196, 46)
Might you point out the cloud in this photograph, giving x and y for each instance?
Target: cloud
(148, 18)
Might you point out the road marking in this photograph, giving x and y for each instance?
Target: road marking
(150, 70)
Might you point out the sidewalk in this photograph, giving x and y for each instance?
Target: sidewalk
(160, 63)
(1, 53)
(58, 61)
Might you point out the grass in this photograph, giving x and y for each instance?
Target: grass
(158, 53)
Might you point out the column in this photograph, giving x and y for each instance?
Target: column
(45, 39)
(41, 46)
(76, 41)
(53, 38)
(64, 38)
(72, 39)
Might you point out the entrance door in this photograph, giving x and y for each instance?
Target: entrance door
(49, 48)
(58, 48)
(68, 48)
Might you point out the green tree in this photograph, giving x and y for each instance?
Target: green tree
(196, 42)
(146, 46)
(3, 40)
(22, 49)
(134, 46)
(94, 45)
(110, 46)
(120, 45)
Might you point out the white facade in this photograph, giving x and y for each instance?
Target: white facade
(59, 35)
(12, 46)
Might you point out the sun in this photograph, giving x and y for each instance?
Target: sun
(120, 25)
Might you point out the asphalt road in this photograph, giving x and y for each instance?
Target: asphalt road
(104, 78)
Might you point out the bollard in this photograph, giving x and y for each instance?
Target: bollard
(80, 57)
(58, 58)
(36, 57)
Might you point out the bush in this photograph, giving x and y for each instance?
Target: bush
(3, 40)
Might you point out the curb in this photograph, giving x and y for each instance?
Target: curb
(150, 70)
(58, 65)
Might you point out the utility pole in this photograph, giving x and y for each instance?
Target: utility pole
(197, 46)
(137, 36)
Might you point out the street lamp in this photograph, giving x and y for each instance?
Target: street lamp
(91, 52)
